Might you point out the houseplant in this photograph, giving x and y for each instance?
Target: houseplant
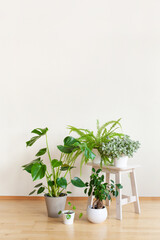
(56, 182)
(94, 142)
(68, 215)
(119, 149)
(97, 213)
(72, 148)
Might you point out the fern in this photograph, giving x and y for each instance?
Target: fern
(116, 122)
(105, 125)
(92, 141)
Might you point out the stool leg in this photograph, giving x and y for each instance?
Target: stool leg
(90, 198)
(108, 181)
(119, 198)
(134, 191)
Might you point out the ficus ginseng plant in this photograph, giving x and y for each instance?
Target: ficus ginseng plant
(56, 180)
(99, 189)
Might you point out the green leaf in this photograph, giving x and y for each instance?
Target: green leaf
(38, 171)
(80, 215)
(32, 192)
(105, 125)
(116, 193)
(32, 141)
(38, 185)
(93, 170)
(50, 183)
(85, 190)
(28, 167)
(68, 216)
(69, 141)
(116, 122)
(77, 182)
(90, 191)
(119, 186)
(59, 212)
(40, 131)
(74, 207)
(65, 167)
(41, 152)
(36, 132)
(69, 203)
(65, 149)
(40, 190)
(98, 171)
(109, 197)
(62, 182)
(69, 192)
(89, 154)
(56, 163)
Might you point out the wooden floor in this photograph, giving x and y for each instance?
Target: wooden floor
(27, 220)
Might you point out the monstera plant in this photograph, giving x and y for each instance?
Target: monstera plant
(56, 182)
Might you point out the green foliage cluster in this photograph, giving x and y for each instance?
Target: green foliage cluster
(56, 183)
(95, 141)
(119, 146)
(100, 189)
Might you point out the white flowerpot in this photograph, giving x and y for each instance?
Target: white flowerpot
(97, 159)
(121, 162)
(96, 215)
(68, 221)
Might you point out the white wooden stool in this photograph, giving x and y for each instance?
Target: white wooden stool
(120, 199)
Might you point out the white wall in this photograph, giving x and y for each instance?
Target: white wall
(72, 62)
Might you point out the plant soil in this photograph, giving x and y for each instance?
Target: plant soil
(68, 213)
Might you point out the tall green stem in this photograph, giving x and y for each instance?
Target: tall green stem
(53, 172)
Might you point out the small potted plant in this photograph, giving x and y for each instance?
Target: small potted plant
(68, 215)
(93, 142)
(55, 190)
(119, 149)
(97, 213)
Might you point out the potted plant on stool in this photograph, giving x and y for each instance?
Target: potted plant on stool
(119, 149)
(56, 183)
(97, 213)
(93, 142)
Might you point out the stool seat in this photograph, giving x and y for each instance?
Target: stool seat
(113, 167)
(120, 199)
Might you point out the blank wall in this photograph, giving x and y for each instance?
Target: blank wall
(72, 62)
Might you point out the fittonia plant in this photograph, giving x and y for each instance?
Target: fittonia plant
(119, 146)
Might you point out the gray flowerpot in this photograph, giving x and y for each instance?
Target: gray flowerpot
(54, 205)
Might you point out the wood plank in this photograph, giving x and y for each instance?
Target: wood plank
(27, 220)
(69, 197)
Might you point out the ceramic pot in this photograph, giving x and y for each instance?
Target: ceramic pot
(96, 215)
(68, 217)
(97, 159)
(54, 205)
(121, 162)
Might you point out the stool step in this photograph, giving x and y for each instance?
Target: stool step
(128, 199)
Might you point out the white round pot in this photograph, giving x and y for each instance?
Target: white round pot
(121, 162)
(96, 215)
(68, 221)
(97, 159)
